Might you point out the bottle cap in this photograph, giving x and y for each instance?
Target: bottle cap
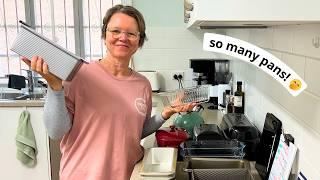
(239, 82)
(227, 91)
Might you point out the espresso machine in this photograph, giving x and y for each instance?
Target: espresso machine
(214, 72)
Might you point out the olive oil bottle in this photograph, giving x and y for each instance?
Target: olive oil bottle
(238, 99)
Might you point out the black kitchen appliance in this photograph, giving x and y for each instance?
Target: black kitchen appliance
(214, 72)
(208, 132)
(237, 126)
(210, 71)
(267, 147)
(16, 81)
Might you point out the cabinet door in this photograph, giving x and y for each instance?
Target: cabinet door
(11, 167)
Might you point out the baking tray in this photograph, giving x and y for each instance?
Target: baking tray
(213, 148)
(159, 162)
(61, 62)
(218, 169)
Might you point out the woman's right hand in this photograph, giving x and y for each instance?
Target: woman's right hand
(38, 65)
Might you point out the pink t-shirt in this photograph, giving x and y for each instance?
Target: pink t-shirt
(108, 116)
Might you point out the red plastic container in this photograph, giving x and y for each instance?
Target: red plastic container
(171, 136)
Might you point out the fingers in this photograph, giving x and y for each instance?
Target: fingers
(45, 68)
(38, 65)
(185, 107)
(34, 61)
(168, 111)
(26, 60)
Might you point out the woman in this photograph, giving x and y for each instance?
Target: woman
(104, 112)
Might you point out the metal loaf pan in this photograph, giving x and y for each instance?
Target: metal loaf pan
(61, 62)
(218, 169)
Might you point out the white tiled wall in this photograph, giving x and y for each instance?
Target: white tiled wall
(301, 114)
(169, 49)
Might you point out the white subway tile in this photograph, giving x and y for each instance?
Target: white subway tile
(259, 120)
(311, 146)
(310, 171)
(302, 41)
(283, 38)
(171, 42)
(296, 63)
(261, 37)
(312, 76)
(188, 74)
(242, 34)
(250, 73)
(277, 54)
(305, 107)
(167, 59)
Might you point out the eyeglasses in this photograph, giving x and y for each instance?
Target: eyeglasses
(116, 33)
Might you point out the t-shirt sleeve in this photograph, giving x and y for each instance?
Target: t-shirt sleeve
(56, 117)
(151, 124)
(69, 93)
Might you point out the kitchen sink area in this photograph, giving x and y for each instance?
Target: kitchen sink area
(8, 94)
(13, 98)
(21, 96)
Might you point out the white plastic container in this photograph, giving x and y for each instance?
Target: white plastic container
(159, 161)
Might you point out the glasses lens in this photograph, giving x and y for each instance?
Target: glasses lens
(116, 33)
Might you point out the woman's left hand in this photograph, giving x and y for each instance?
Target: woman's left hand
(168, 111)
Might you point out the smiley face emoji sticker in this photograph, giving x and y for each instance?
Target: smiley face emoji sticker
(295, 84)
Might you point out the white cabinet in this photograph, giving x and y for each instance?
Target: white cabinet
(10, 167)
(248, 13)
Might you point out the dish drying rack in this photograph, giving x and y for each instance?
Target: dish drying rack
(197, 94)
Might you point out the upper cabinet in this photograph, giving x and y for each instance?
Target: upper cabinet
(209, 14)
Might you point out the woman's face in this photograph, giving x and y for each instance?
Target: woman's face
(120, 40)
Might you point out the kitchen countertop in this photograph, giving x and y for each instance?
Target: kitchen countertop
(22, 103)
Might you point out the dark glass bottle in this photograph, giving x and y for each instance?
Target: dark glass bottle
(238, 99)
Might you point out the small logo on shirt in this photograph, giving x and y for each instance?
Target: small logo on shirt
(141, 106)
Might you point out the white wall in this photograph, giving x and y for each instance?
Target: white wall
(170, 44)
(300, 115)
(169, 49)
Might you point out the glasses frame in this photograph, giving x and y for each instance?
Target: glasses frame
(116, 33)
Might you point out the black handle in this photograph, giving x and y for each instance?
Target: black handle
(43, 84)
(24, 23)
